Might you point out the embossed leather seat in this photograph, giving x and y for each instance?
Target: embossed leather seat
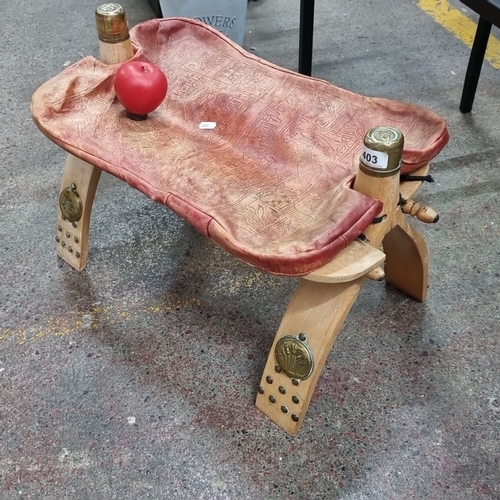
(272, 182)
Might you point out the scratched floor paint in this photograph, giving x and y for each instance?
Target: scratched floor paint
(464, 28)
(61, 326)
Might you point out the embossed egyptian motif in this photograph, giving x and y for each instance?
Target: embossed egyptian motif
(294, 357)
(271, 183)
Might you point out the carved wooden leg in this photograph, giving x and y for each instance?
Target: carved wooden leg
(407, 260)
(307, 332)
(78, 187)
(80, 179)
(318, 309)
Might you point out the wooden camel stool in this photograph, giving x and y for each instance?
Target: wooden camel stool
(326, 291)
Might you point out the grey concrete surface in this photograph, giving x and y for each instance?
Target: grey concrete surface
(136, 377)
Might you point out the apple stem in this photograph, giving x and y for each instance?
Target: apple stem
(137, 118)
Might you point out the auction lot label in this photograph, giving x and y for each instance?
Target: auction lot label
(375, 159)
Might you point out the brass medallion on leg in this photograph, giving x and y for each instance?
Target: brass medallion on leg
(80, 179)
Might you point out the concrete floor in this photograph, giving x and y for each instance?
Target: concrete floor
(136, 377)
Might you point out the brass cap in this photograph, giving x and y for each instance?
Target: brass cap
(383, 151)
(111, 22)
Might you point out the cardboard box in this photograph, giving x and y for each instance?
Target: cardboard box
(226, 16)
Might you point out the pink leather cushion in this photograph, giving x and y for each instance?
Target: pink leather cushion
(271, 183)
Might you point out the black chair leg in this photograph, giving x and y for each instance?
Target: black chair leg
(306, 36)
(475, 64)
(155, 5)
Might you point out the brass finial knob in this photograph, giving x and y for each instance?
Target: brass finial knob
(382, 152)
(111, 22)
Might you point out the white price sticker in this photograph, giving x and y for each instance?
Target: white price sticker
(375, 159)
(208, 125)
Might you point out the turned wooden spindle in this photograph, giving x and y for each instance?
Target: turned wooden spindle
(423, 213)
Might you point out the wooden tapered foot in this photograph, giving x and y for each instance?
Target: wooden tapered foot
(407, 260)
(305, 337)
(78, 187)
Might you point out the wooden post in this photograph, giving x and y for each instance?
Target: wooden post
(406, 265)
(80, 179)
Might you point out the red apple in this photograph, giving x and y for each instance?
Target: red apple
(140, 87)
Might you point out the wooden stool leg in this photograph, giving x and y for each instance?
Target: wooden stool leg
(78, 187)
(407, 260)
(317, 310)
(305, 337)
(80, 179)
